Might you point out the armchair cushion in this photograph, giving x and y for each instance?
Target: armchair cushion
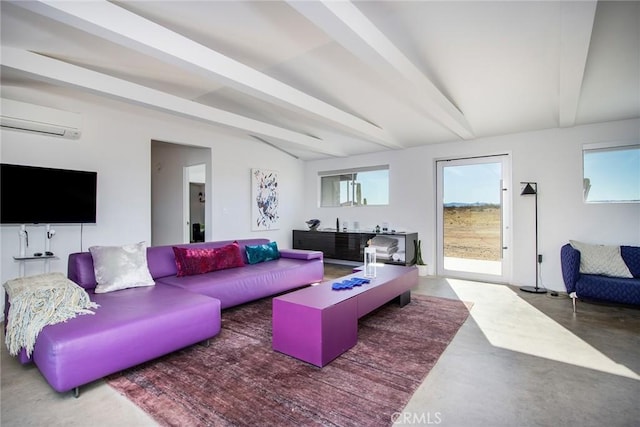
(626, 291)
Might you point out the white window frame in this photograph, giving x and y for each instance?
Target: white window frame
(604, 146)
(351, 171)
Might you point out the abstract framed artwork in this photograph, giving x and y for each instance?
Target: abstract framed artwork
(265, 198)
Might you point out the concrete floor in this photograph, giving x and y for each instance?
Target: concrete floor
(519, 359)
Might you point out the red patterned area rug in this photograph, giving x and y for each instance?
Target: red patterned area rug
(240, 381)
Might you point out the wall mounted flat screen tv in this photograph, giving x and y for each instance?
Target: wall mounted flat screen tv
(35, 195)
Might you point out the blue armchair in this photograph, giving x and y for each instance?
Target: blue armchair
(599, 287)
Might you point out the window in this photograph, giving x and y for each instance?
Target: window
(611, 173)
(355, 187)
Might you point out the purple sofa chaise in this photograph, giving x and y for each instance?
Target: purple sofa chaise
(135, 325)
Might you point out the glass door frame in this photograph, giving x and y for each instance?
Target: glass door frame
(506, 220)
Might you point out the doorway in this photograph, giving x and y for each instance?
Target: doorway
(170, 192)
(194, 196)
(473, 218)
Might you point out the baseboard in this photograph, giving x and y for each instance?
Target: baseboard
(342, 262)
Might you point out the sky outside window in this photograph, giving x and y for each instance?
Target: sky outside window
(612, 175)
(477, 183)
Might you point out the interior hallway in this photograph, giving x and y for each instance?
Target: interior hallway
(519, 359)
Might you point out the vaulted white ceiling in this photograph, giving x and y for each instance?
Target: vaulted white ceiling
(321, 79)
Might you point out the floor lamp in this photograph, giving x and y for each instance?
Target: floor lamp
(529, 189)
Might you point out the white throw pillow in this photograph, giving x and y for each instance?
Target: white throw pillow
(120, 267)
(601, 259)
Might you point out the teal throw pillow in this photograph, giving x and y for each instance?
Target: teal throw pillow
(261, 253)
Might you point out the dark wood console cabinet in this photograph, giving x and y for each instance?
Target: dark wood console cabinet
(349, 245)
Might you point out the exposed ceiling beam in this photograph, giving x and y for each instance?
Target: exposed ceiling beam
(264, 141)
(576, 26)
(346, 24)
(61, 73)
(113, 23)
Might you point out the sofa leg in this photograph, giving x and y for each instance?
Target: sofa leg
(573, 300)
(76, 392)
(206, 343)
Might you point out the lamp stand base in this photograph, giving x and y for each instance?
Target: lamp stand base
(533, 289)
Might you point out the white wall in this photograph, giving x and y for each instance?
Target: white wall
(116, 142)
(551, 157)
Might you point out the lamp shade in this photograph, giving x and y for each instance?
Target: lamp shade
(528, 189)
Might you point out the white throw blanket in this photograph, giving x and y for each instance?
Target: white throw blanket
(38, 301)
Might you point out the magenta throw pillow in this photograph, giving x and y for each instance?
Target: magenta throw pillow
(191, 261)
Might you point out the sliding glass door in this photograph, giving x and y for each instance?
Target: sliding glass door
(473, 218)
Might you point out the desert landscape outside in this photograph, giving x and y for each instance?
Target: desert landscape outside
(472, 232)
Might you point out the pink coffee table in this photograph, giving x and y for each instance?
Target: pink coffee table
(317, 324)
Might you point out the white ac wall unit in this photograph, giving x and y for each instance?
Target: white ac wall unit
(20, 116)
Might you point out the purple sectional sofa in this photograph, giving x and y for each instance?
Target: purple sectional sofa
(139, 324)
